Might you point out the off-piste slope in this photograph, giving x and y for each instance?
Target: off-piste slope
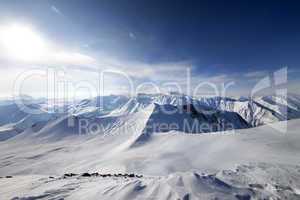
(260, 162)
(160, 153)
(253, 181)
(256, 163)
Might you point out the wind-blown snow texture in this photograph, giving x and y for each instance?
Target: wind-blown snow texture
(242, 163)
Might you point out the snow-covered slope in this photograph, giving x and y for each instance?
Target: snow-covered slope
(250, 163)
(260, 110)
(98, 106)
(223, 113)
(188, 119)
(257, 111)
(256, 181)
(169, 151)
(14, 119)
(147, 135)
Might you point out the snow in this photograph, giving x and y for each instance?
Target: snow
(261, 155)
(255, 181)
(259, 162)
(260, 110)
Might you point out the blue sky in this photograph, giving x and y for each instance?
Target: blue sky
(156, 41)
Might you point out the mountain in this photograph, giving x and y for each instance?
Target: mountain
(15, 119)
(171, 112)
(260, 110)
(184, 148)
(255, 163)
(188, 119)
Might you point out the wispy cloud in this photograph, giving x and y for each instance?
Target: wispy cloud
(88, 64)
(132, 35)
(56, 10)
(256, 74)
(23, 44)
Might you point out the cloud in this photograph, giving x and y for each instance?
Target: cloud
(87, 66)
(56, 10)
(132, 35)
(256, 74)
(53, 57)
(22, 44)
(156, 72)
(71, 58)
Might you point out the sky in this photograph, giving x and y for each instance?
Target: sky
(155, 44)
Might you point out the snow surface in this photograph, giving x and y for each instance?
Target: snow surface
(241, 113)
(256, 181)
(257, 163)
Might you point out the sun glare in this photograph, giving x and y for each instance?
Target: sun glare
(21, 42)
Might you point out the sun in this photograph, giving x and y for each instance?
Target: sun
(22, 42)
